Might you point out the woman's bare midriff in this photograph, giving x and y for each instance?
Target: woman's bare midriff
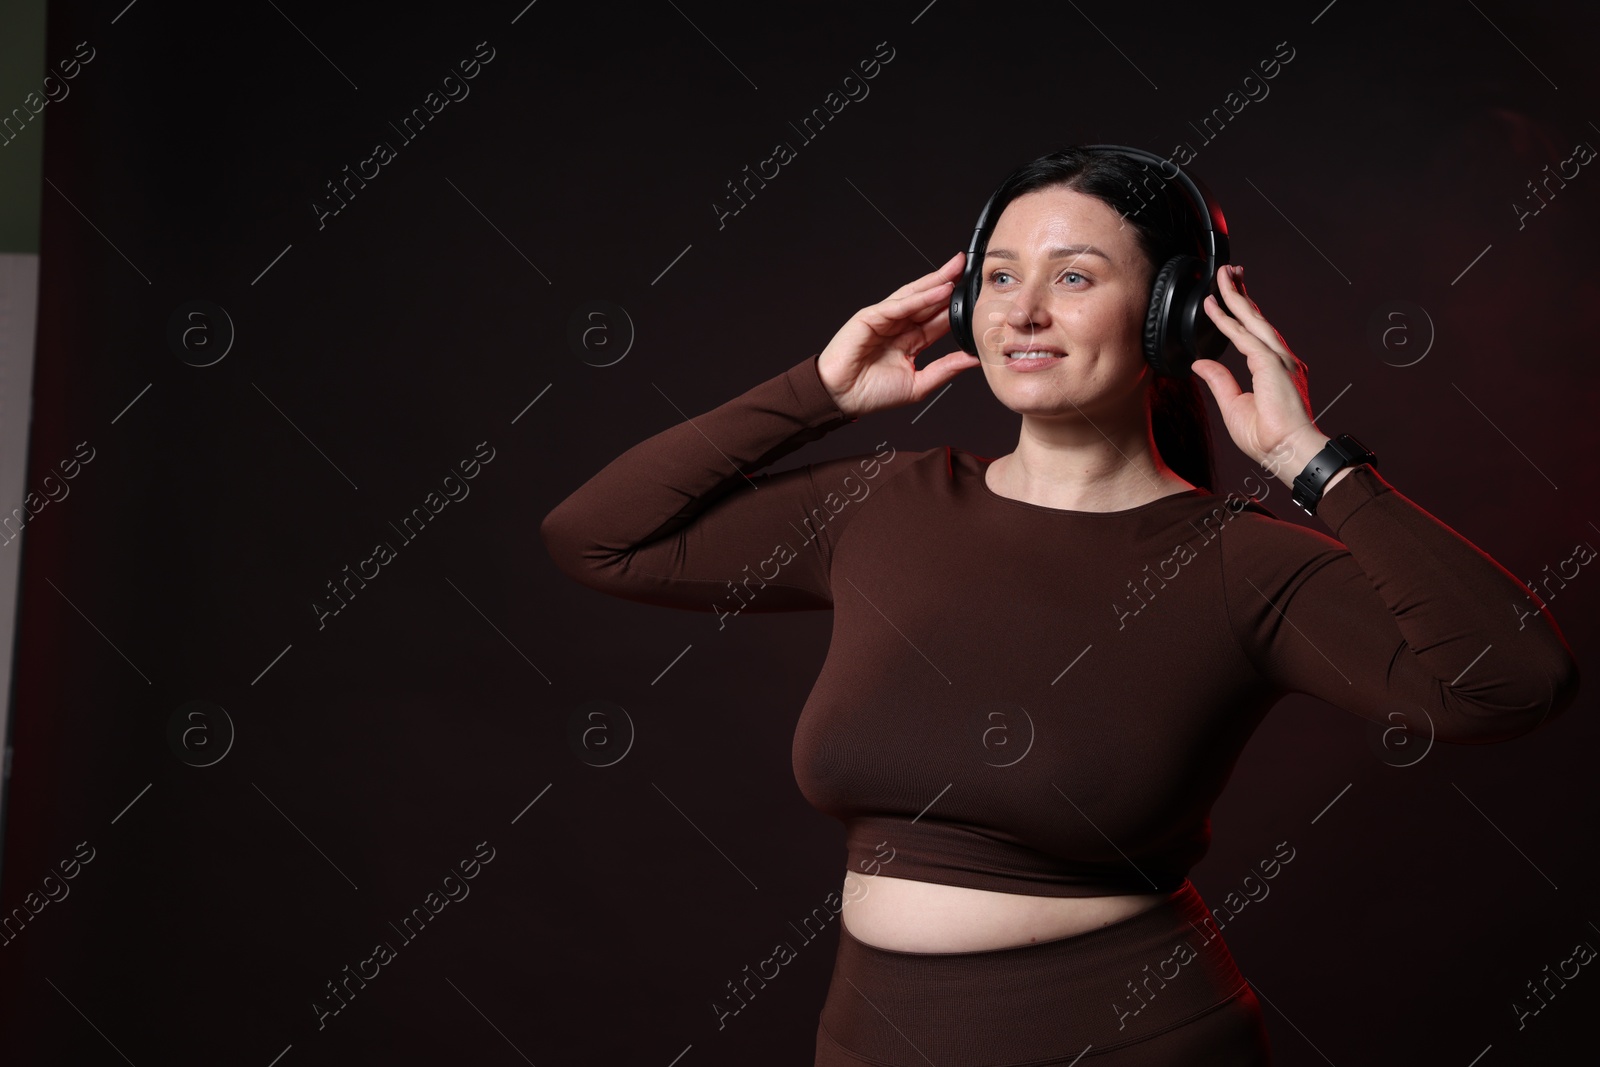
(912, 916)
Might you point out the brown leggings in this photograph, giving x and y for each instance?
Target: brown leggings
(1157, 988)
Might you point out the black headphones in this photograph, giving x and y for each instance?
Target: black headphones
(1177, 329)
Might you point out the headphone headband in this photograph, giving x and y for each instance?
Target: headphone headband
(1214, 227)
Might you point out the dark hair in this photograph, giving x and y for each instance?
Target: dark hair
(1166, 226)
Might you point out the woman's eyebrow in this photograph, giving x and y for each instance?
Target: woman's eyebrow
(1055, 253)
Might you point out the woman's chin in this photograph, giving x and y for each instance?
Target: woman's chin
(1045, 407)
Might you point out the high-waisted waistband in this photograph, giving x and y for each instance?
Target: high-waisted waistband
(1046, 1002)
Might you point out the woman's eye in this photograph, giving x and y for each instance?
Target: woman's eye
(1071, 277)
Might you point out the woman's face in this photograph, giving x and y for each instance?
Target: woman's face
(1063, 273)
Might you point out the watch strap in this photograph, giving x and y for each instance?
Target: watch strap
(1340, 452)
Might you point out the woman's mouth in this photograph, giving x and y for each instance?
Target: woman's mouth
(1034, 359)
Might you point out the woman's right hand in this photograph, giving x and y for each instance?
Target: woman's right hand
(870, 365)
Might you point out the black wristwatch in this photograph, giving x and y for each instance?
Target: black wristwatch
(1340, 452)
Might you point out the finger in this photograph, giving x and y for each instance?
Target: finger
(917, 339)
(911, 305)
(948, 272)
(1245, 335)
(932, 311)
(1264, 359)
(892, 317)
(1227, 278)
(1244, 310)
(1230, 326)
(1248, 314)
(940, 371)
(1219, 378)
(1266, 365)
(1228, 285)
(935, 327)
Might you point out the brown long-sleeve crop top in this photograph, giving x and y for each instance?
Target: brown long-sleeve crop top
(1033, 700)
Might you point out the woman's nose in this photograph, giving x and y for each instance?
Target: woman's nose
(1028, 307)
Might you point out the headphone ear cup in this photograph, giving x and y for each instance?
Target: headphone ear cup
(1163, 343)
(964, 296)
(962, 299)
(1177, 330)
(1200, 337)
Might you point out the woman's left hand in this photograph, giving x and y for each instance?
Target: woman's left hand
(1272, 424)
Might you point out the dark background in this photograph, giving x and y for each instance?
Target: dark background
(373, 754)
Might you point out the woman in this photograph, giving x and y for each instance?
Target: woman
(1024, 775)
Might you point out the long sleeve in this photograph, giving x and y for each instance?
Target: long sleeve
(683, 520)
(1405, 616)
